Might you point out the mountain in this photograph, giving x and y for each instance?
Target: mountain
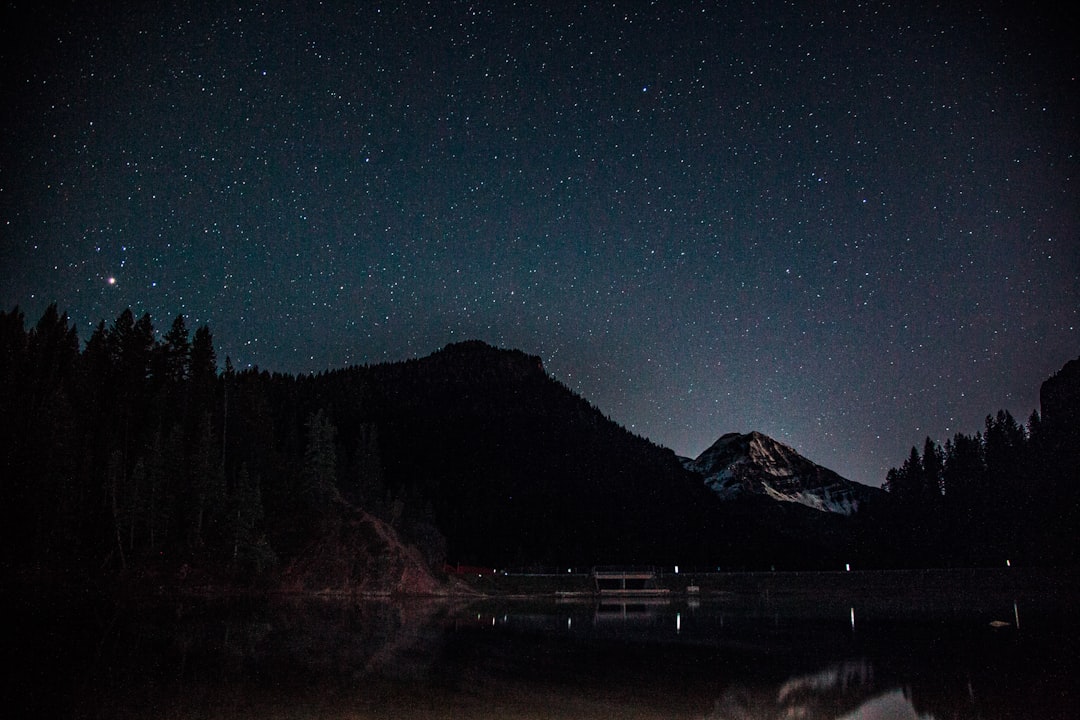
(135, 457)
(517, 468)
(737, 465)
(1059, 395)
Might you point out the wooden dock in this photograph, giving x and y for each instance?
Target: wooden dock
(627, 582)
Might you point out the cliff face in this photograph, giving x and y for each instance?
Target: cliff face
(1059, 395)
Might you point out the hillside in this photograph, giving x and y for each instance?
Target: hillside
(518, 469)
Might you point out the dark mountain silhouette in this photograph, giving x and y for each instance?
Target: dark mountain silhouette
(1059, 396)
(517, 468)
(136, 456)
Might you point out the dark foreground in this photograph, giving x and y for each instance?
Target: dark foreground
(861, 646)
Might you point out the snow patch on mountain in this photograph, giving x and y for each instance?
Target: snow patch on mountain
(754, 463)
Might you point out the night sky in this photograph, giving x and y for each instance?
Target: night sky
(846, 225)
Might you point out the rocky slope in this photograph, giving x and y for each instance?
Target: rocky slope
(737, 465)
(360, 554)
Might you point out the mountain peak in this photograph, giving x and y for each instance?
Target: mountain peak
(753, 463)
(484, 361)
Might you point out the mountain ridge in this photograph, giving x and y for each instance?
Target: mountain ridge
(472, 454)
(740, 464)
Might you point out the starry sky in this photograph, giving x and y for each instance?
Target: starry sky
(848, 225)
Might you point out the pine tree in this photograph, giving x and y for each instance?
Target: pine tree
(251, 552)
(176, 352)
(319, 478)
(906, 482)
(48, 446)
(207, 482)
(13, 350)
(932, 462)
(203, 366)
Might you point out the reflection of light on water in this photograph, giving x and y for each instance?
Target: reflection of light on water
(678, 622)
(998, 624)
(848, 686)
(852, 618)
(892, 705)
(846, 691)
(843, 678)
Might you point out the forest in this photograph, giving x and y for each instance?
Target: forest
(137, 455)
(1008, 493)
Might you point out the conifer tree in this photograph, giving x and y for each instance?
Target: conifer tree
(319, 478)
(176, 352)
(251, 553)
(207, 483)
(932, 461)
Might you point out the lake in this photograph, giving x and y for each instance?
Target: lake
(803, 646)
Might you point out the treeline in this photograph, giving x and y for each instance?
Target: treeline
(1009, 493)
(137, 454)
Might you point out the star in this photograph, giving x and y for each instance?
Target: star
(799, 212)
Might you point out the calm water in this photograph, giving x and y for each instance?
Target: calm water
(749, 654)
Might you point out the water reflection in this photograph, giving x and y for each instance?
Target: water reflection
(747, 657)
(846, 691)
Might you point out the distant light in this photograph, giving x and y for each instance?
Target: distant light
(678, 622)
(111, 281)
(1008, 563)
(676, 569)
(847, 567)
